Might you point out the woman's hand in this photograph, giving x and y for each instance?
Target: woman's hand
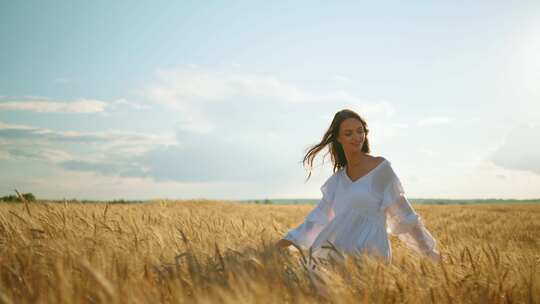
(283, 243)
(435, 256)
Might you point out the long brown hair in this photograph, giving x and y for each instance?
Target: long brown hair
(334, 147)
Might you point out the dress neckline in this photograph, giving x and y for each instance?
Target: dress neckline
(361, 177)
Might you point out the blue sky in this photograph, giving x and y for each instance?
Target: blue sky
(220, 99)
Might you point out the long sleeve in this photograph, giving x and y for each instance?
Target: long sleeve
(403, 221)
(304, 235)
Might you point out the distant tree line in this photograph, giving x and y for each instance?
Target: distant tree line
(29, 197)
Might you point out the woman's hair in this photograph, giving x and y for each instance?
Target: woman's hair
(334, 147)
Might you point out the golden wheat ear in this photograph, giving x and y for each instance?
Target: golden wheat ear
(304, 261)
(25, 202)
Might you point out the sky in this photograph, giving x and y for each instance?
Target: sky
(220, 99)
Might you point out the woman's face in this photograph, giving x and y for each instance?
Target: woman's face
(351, 134)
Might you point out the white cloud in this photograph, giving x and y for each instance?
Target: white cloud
(78, 106)
(127, 103)
(112, 151)
(35, 153)
(427, 152)
(342, 78)
(5, 126)
(401, 125)
(200, 158)
(182, 86)
(208, 99)
(433, 121)
(12, 133)
(520, 150)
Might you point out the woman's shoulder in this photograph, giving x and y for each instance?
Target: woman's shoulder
(380, 159)
(332, 180)
(329, 186)
(334, 176)
(386, 172)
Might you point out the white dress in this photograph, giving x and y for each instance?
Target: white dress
(357, 216)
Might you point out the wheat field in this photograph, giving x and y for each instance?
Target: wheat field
(222, 252)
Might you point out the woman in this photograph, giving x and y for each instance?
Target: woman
(362, 201)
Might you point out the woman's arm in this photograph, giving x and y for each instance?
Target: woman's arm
(425, 242)
(403, 221)
(304, 234)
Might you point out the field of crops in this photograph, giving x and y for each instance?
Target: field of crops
(222, 252)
